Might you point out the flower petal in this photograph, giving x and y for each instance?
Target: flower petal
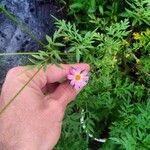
(82, 83)
(85, 73)
(77, 87)
(78, 70)
(70, 77)
(75, 71)
(72, 70)
(86, 78)
(77, 84)
(73, 82)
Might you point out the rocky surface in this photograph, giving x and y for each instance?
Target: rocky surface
(36, 17)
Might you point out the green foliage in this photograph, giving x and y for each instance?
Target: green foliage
(114, 38)
(134, 121)
(116, 100)
(139, 11)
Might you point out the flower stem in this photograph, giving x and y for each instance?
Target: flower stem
(13, 98)
(20, 53)
(13, 18)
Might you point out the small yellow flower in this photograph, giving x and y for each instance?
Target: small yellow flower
(66, 39)
(126, 43)
(114, 59)
(147, 32)
(136, 35)
(127, 55)
(137, 60)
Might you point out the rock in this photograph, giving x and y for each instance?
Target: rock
(36, 17)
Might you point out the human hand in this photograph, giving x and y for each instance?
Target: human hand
(33, 120)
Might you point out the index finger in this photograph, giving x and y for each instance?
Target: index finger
(54, 73)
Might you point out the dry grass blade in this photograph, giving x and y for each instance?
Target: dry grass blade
(13, 98)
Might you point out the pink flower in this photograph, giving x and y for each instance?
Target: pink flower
(78, 78)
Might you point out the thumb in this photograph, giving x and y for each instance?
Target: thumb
(65, 92)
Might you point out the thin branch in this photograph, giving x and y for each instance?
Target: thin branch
(12, 99)
(19, 53)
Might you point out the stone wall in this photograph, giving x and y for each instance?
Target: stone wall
(36, 17)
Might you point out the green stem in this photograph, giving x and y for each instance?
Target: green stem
(26, 53)
(19, 53)
(12, 99)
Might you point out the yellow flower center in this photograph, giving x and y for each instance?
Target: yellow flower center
(78, 77)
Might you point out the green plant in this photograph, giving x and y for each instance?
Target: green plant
(139, 11)
(135, 121)
(114, 38)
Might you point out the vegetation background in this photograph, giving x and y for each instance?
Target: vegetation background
(113, 36)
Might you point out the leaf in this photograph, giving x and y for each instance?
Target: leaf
(101, 9)
(92, 6)
(56, 54)
(33, 61)
(78, 53)
(59, 44)
(49, 39)
(40, 57)
(76, 6)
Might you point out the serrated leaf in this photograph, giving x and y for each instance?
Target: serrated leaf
(92, 6)
(101, 9)
(57, 55)
(32, 61)
(76, 6)
(49, 39)
(38, 57)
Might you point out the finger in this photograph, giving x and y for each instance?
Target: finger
(50, 88)
(55, 73)
(52, 74)
(64, 93)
